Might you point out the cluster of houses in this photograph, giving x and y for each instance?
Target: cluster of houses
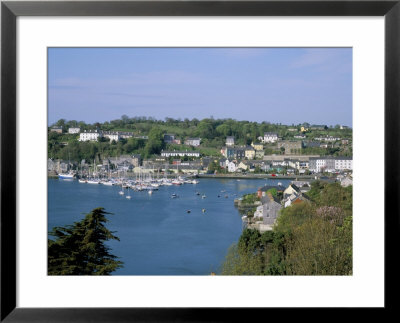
(248, 152)
(313, 164)
(328, 138)
(180, 153)
(244, 158)
(171, 139)
(256, 150)
(59, 166)
(295, 164)
(200, 165)
(131, 163)
(288, 147)
(71, 130)
(270, 204)
(121, 163)
(267, 212)
(238, 166)
(95, 135)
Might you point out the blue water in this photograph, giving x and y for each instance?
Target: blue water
(157, 235)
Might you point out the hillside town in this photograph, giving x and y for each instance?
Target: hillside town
(269, 154)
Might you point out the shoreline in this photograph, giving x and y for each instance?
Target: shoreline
(255, 176)
(235, 176)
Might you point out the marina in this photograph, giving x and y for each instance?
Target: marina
(139, 182)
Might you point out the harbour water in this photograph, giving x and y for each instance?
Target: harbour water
(157, 234)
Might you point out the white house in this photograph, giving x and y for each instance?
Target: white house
(242, 166)
(232, 167)
(193, 142)
(125, 135)
(230, 141)
(74, 130)
(91, 135)
(294, 198)
(343, 163)
(270, 137)
(259, 212)
(291, 189)
(289, 199)
(112, 135)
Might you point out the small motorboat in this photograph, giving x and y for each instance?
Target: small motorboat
(203, 210)
(173, 196)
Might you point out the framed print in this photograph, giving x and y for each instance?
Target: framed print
(192, 111)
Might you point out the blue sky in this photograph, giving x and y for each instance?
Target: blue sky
(277, 85)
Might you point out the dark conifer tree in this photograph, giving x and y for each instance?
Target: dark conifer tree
(79, 249)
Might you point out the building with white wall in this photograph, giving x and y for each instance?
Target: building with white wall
(176, 153)
(193, 142)
(270, 137)
(74, 130)
(91, 135)
(344, 163)
(232, 167)
(230, 141)
(112, 135)
(330, 164)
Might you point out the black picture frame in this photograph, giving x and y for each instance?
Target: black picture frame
(10, 10)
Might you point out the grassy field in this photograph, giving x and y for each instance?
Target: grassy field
(209, 151)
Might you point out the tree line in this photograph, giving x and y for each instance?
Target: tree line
(207, 128)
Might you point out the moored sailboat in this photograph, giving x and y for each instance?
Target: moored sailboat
(66, 176)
